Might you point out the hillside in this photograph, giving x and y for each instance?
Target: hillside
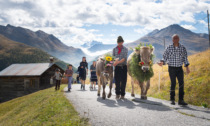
(194, 42)
(42, 108)
(197, 88)
(15, 52)
(46, 42)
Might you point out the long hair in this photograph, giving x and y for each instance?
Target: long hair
(85, 59)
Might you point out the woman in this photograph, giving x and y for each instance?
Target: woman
(83, 72)
(93, 77)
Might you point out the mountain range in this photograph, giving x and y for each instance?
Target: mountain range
(95, 46)
(46, 42)
(194, 42)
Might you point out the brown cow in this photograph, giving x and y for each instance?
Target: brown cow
(104, 74)
(145, 54)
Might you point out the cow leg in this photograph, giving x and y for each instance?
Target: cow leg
(99, 86)
(132, 88)
(142, 89)
(110, 87)
(104, 94)
(147, 88)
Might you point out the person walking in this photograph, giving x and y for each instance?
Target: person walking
(93, 77)
(83, 72)
(57, 77)
(120, 72)
(175, 55)
(68, 73)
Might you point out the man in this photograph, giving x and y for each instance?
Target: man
(175, 55)
(120, 73)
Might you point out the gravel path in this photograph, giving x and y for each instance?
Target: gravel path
(134, 111)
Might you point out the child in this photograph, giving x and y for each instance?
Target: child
(57, 77)
(69, 73)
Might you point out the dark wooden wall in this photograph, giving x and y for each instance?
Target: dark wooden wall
(12, 87)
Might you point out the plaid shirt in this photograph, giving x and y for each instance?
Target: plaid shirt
(175, 57)
(123, 54)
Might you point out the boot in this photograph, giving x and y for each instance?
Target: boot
(172, 102)
(181, 102)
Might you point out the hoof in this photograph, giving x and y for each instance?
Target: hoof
(109, 95)
(99, 95)
(103, 98)
(132, 95)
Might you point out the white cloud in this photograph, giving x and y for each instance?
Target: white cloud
(190, 27)
(66, 18)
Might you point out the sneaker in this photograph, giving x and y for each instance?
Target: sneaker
(117, 97)
(69, 89)
(172, 102)
(83, 87)
(182, 102)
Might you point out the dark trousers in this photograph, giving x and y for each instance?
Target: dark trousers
(176, 72)
(120, 77)
(57, 85)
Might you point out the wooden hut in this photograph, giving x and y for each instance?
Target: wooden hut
(21, 79)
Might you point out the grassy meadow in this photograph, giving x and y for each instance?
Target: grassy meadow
(45, 107)
(197, 83)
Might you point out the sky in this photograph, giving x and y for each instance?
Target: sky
(75, 22)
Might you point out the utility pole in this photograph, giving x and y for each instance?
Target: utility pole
(208, 26)
(164, 43)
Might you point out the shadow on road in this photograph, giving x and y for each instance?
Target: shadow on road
(107, 102)
(150, 105)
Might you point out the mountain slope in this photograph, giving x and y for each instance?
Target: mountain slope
(15, 52)
(192, 41)
(43, 41)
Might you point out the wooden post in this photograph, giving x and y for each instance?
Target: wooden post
(208, 26)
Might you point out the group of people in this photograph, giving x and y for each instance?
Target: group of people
(174, 55)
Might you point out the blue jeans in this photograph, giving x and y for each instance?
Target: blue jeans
(69, 82)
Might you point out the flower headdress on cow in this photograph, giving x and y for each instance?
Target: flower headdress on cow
(136, 64)
(109, 59)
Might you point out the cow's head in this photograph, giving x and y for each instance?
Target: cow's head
(108, 69)
(145, 57)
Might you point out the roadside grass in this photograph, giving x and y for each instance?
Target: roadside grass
(45, 107)
(197, 83)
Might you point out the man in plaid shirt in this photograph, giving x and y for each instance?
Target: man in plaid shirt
(175, 55)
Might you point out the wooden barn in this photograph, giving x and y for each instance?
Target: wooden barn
(21, 79)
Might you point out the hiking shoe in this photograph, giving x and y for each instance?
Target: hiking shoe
(182, 102)
(117, 97)
(172, 102)
(69, 89)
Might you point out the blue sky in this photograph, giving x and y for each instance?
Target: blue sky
(77, 22)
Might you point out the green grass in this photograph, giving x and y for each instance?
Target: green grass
(46, 107)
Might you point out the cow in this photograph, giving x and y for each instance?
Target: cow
(145, 55)
(104, 74)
